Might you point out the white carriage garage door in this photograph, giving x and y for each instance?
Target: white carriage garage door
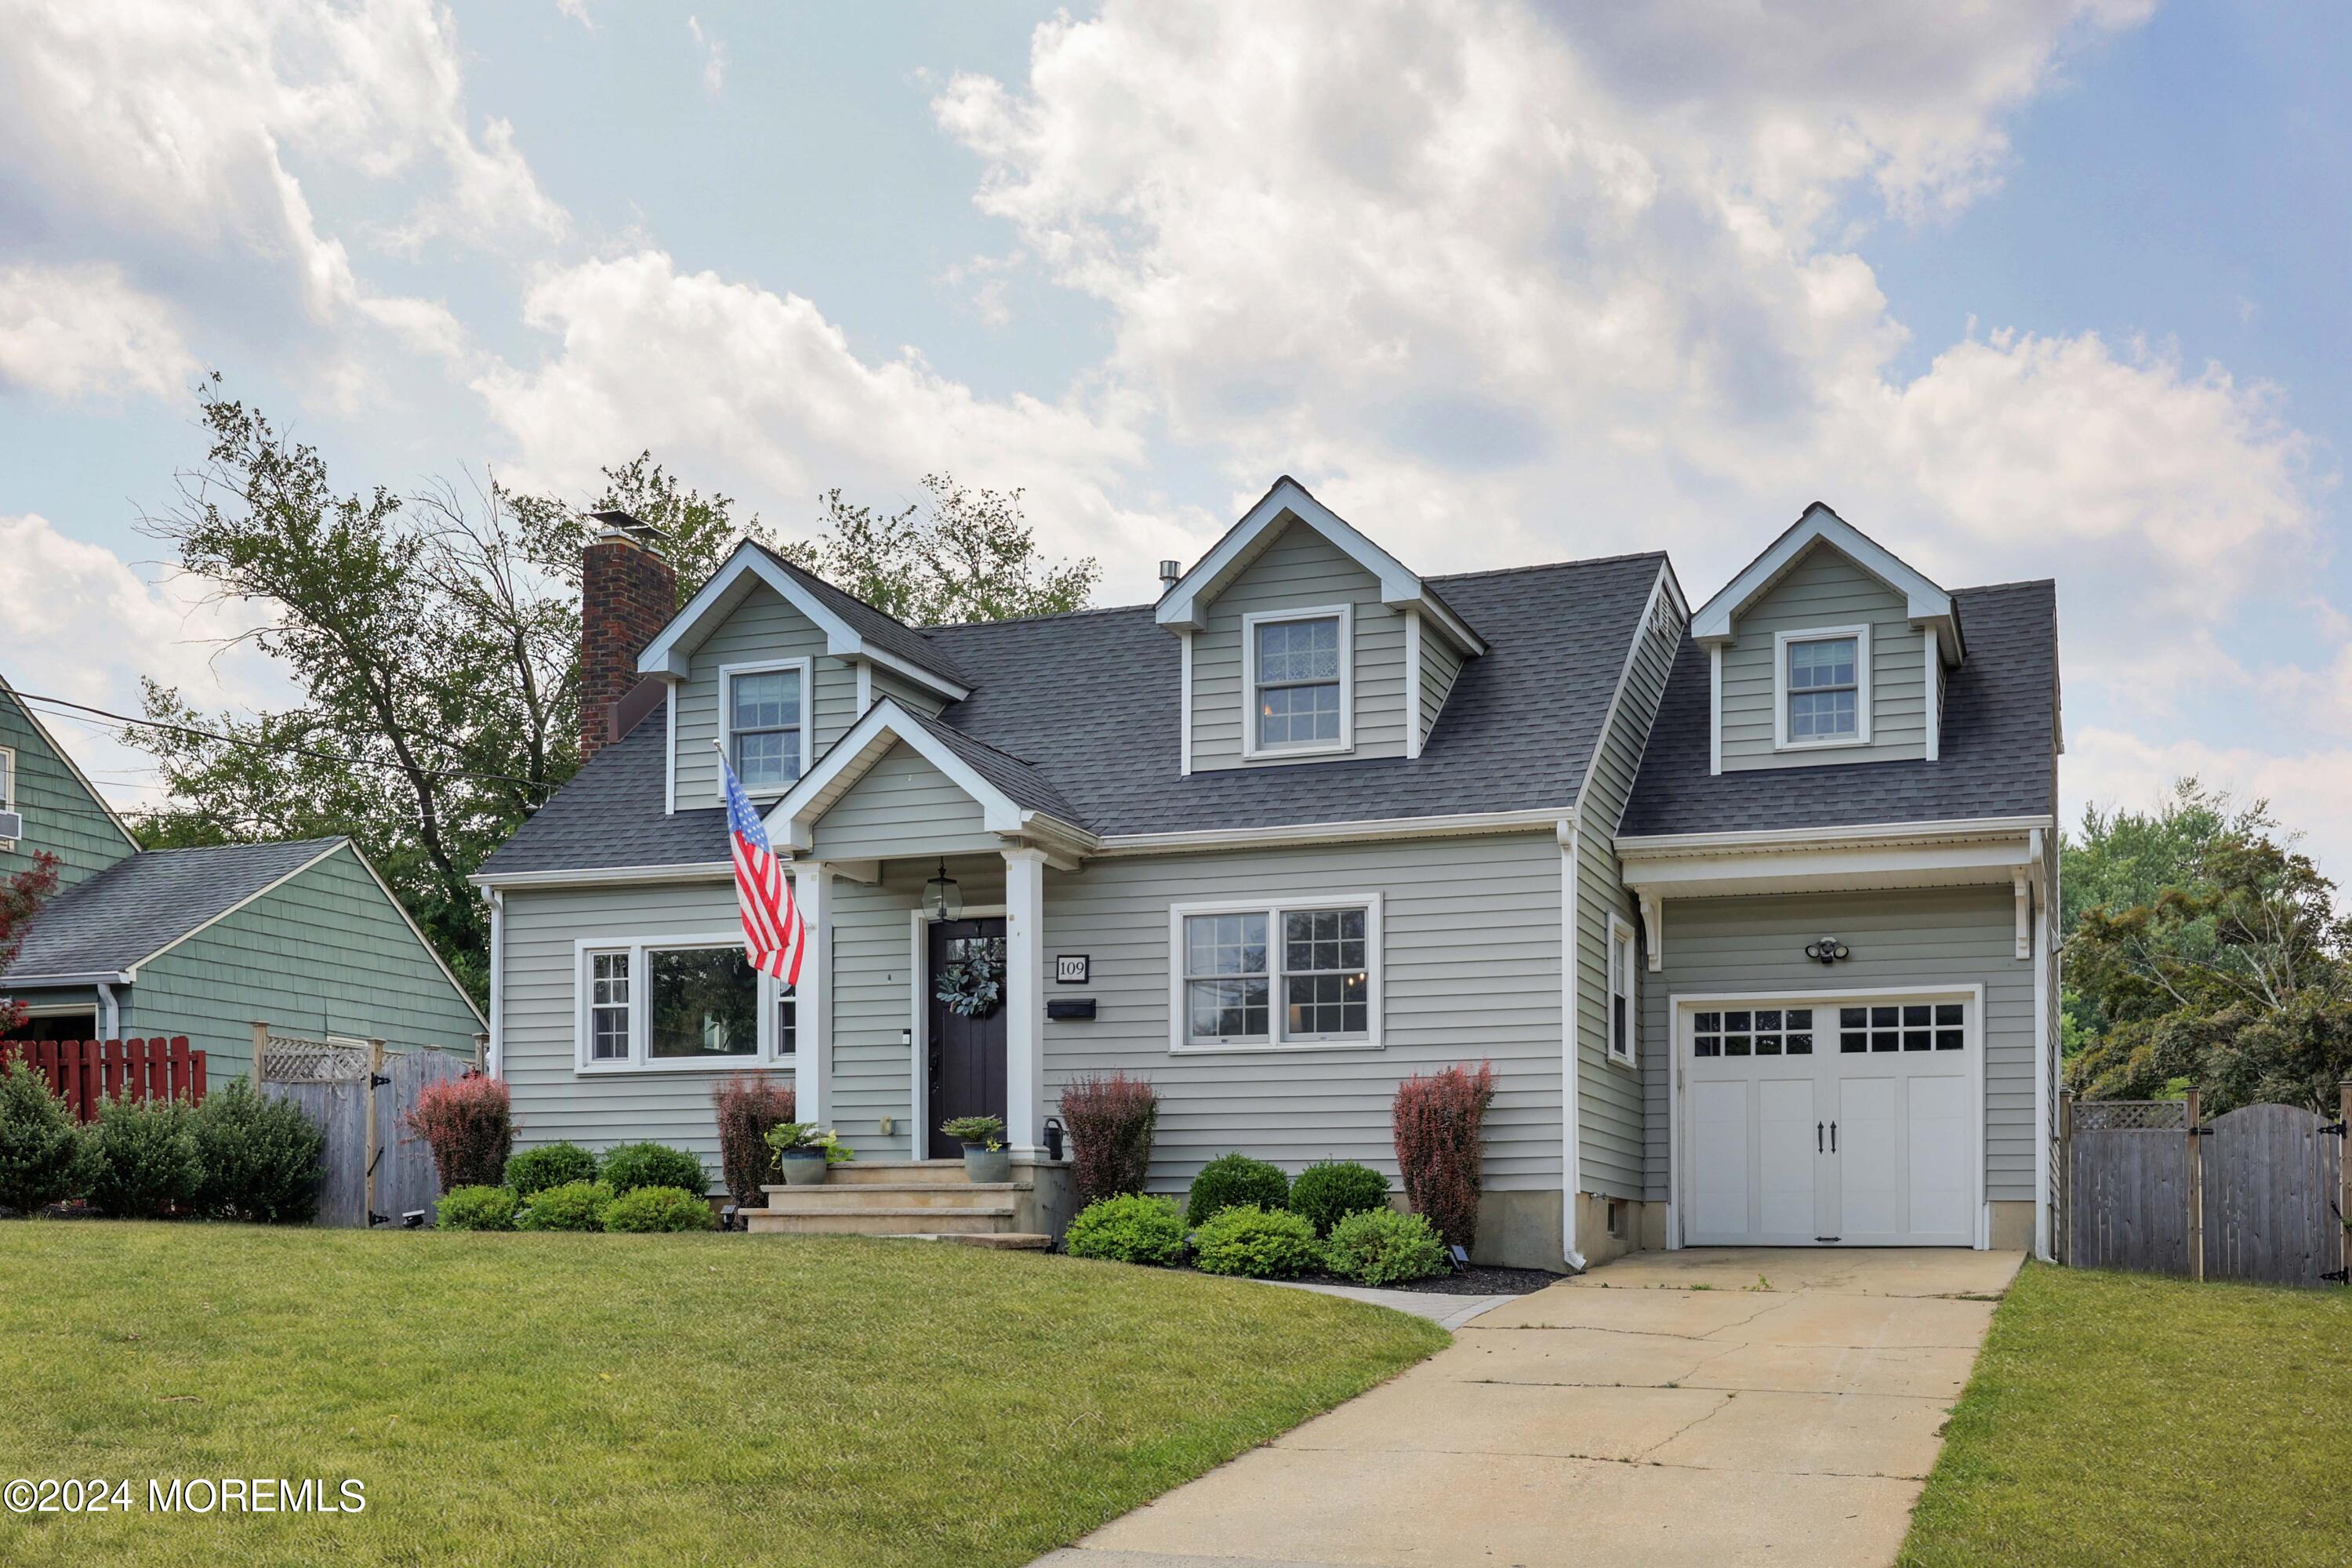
(1827, 1121)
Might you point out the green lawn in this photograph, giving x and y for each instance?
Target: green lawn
(591, 1399)
(2121, 1418)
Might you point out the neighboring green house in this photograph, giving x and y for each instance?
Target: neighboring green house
(204, 943)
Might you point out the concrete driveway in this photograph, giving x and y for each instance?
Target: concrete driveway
(1711, 1406)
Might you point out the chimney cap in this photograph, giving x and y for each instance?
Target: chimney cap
(628, 527)
(1171, 569)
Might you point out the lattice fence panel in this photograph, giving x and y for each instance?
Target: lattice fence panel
(291, 1058)
(2130, 1115)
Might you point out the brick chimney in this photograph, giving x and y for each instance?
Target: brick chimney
(627, 594)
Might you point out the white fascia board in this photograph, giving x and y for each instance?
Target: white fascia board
(1925, 604)
(1828, 868)
(1299, 834)
(886, 724)
(1955, 828)
(1184, 607)
(671, 653)
(608, 876)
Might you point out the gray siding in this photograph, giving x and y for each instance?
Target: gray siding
(325, 952)
(1470, 970)
(1946, 936)
(919, 698)
(1825, 589)
(1299, 569)
(762, 626)
(552, 1101)
(1440, 664)
(1610, 1117)
(903, 805)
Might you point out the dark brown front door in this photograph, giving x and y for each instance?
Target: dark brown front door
(967, 1054)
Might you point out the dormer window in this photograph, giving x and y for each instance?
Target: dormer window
(767, 730)
(1298, 681)
(1824, 678)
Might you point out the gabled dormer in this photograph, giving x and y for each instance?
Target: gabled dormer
(1304, 641)
(1827, 648)
(776, 665)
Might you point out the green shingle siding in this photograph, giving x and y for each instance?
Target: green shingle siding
(60, 816)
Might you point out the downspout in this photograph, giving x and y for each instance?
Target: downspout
(1571, 1166)
(497, 902)
(111, 1028)
(2045, 1043)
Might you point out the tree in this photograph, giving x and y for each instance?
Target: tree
(959, 555)
(2234, 975)
(20, 898)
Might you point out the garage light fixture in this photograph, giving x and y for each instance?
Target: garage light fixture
(1827, 950)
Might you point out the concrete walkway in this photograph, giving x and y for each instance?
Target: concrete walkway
(1713, 1406)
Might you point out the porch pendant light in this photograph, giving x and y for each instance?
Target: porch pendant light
(942, 897)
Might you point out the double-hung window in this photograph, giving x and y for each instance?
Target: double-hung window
(1823, 686)
(1298, 680)
(765, 711)
(1276, 974)
(1624, 1016)
(678, 1003)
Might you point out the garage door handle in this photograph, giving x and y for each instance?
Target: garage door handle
(1817, 1137)
(1832, 1137)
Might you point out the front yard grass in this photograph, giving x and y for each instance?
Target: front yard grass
(2124, 1418)
(669, 1399)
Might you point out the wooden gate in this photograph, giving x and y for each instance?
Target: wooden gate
(373, 1170)
(2255, 1194)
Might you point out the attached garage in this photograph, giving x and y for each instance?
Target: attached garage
(1825, 1119)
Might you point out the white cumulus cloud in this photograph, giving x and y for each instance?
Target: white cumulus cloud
(82, 333)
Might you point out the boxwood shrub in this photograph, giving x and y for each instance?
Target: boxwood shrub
(657, 1209)
(625, 1167)
(1329, 1192)
(260, 1156)
(40, 1147)
(551, 1165)
(1262, 1244)
(1232, 1179)
(142, 1158)
(476, 1208)
(1382, 1246)
(1128, 1228)
(574, 1206)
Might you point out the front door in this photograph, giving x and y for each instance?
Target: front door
(1840, 1123)
(967, 1065)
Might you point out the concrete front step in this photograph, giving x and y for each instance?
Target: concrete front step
(868, 1196)
(865, 1173)
(997, 1241)
(986, 1220)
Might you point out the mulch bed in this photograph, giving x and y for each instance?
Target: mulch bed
(1475, 1280)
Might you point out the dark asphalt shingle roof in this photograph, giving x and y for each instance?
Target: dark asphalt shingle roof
(144, 903)
(885, 632)
(1075, 715)
(1998, 750)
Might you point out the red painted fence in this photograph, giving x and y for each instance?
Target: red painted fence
(87, 1073)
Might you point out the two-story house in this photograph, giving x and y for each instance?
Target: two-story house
(1747, 907)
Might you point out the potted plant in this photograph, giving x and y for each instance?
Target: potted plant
(804, 1151)
(985, 1157)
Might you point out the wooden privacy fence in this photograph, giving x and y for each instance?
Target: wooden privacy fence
(2259, 1194)
(372, 1169)
(85, 1074)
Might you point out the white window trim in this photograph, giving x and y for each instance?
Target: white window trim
(1178, 1044)
(727, 674)
(1621, 942)
(637, 946)
(1781, 641)
(1346, 616)
(7, 787)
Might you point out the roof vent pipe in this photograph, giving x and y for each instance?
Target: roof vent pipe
(1169, 572)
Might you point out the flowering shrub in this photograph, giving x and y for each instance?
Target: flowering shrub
(1128, 1228)
(468, 1123)
(748, 1105)
(1441, 1146)
(1111, 1119)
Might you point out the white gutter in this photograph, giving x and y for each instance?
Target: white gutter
(1858, 833)
(685, 871)
(73, 977)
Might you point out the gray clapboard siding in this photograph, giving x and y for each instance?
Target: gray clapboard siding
(552, 1099)
(326, 951)
(905, 693)
(1299, 569)
(1470, 970)
(762, 627)
(1441, 663)
(1610, 1113)
(1925, 937)
(1825, 589)
(903, 805)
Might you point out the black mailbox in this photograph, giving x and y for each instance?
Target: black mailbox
(1060, 1009)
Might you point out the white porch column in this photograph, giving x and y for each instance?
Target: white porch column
(812, 1063)
(1024, 1000)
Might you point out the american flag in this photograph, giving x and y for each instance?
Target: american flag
(773, 931)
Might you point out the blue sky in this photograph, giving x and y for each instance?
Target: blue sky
(2042, 290)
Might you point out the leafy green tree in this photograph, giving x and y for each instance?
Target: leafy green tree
(958, 554)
